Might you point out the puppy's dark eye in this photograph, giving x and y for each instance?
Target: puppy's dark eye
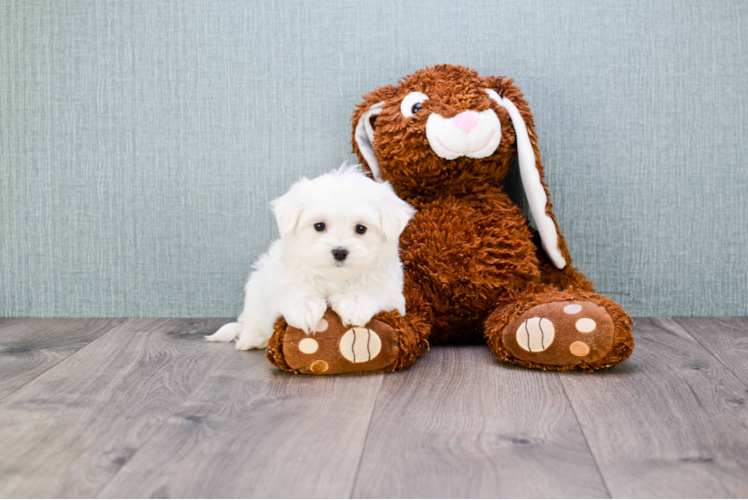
(319, 227)
(360, 229)
(416, 108)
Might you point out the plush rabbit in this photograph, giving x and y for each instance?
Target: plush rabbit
(445, 137)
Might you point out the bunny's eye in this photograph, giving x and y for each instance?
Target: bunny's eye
(412, 103)
(319, 227)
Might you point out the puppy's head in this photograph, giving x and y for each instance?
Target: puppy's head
(342, 223)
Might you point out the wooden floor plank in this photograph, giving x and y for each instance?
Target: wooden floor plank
(460, 424)
(147, 408)
(68, 432)
(725, 338)
(29, 347)
(670, 422)
(251, 430)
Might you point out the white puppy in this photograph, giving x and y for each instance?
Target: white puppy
(338, 246)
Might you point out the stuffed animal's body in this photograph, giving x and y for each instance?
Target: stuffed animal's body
(445, 138)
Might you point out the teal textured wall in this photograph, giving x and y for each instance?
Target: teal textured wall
(141, 141)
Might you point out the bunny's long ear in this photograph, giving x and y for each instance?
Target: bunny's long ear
(363, 136)
(364, 125)
(531, 172)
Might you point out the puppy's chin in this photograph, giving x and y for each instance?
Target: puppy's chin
(337, 271)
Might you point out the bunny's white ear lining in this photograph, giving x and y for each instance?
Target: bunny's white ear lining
(534, 190)
(365, 139)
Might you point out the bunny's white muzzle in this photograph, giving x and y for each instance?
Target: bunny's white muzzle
(471, 134)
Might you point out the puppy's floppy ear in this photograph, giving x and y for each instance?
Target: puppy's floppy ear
(364, 125)
(394, 212)
(287, 210)
(509, 97)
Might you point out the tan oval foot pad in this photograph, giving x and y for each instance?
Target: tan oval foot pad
(341, 349)
(561, 333)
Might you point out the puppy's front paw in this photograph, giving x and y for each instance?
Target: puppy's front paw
(305, 314)
(252, 339)
(354, 309)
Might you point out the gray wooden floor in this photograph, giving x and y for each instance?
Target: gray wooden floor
(146, 408)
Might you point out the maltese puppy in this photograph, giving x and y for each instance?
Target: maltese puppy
(338, 247)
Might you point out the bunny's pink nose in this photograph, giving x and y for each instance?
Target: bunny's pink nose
(467, 121)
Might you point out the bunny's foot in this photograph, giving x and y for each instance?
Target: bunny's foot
(386, 343)
(552, 329)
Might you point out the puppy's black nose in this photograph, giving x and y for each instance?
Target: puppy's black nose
(340, 254)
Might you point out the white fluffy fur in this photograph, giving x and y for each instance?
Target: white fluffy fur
(298, 277)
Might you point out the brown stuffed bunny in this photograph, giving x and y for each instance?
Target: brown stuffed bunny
(445, 138)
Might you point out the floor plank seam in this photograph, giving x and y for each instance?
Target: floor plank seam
(366, 437)
(63, 359)
(584, 435)
(719, 360)
(158, 429)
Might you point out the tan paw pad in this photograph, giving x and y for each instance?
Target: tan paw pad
(308, 346)
(579, 348)
(585, 325)
(572, 308)
(359, 345)
(535, 334)
(319, 366)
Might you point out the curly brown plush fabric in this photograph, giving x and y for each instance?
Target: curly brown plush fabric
(473, 266)
(274, 351)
